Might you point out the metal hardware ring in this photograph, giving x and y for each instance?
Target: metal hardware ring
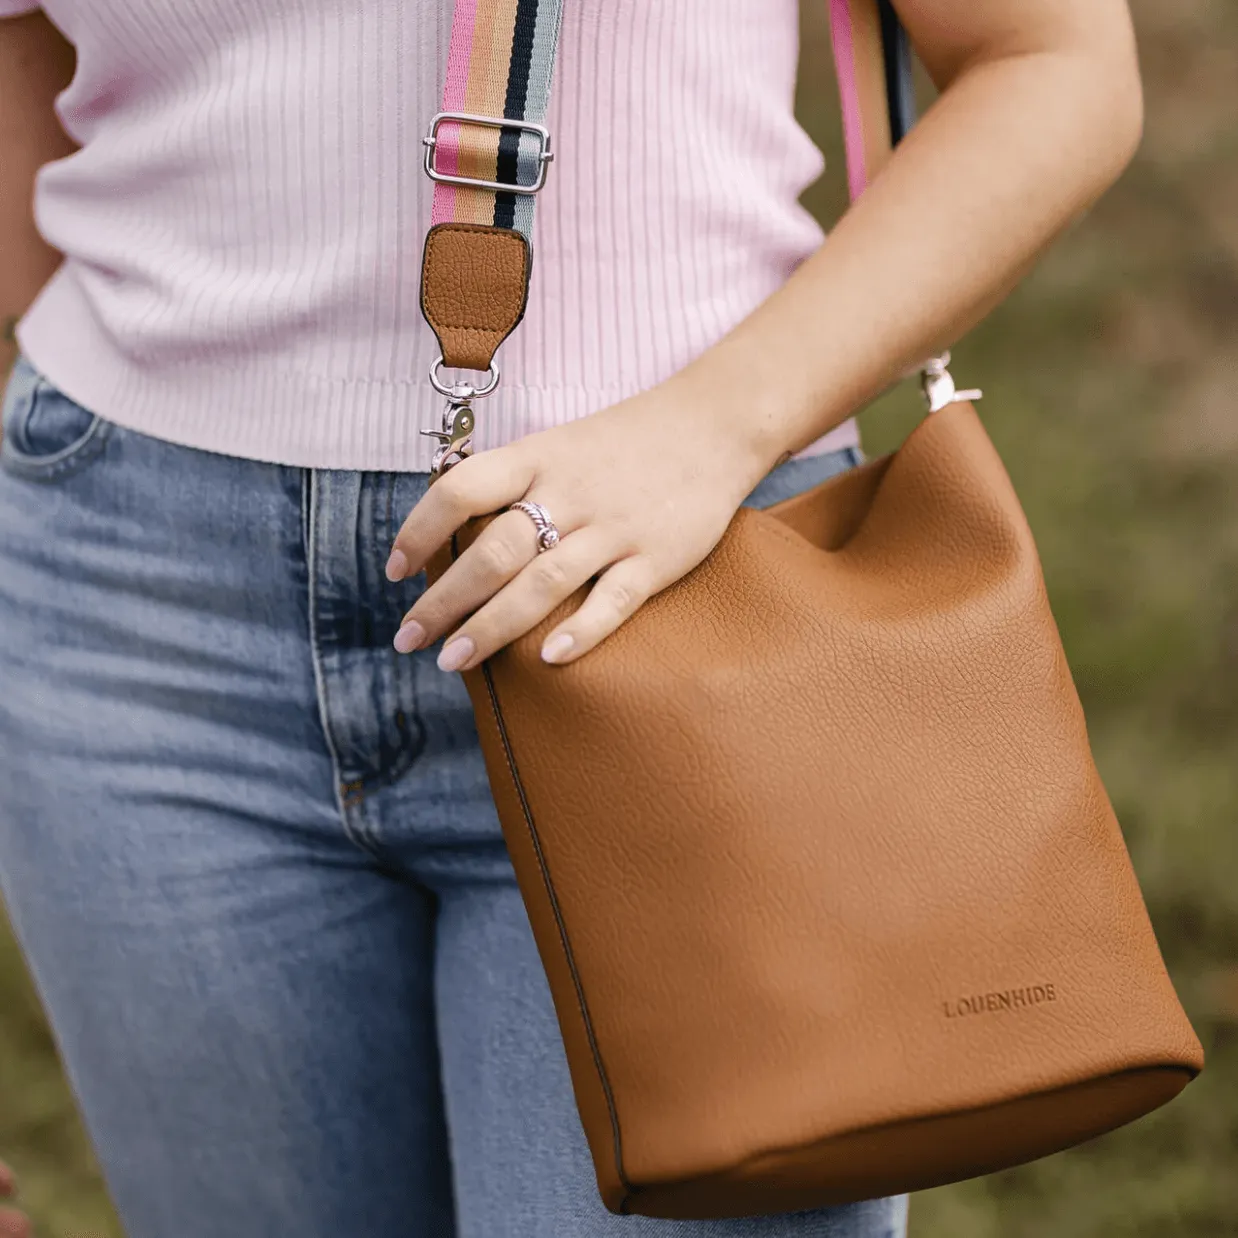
(547, 534)
(459, 391)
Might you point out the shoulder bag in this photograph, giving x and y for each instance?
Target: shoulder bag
(831, 899)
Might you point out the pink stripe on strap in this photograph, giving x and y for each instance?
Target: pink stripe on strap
(849, 95)
(455, 86)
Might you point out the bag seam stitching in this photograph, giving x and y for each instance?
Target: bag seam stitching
(561, 925)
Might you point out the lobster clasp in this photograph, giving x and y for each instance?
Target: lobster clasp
(938, 385)
(455, 438)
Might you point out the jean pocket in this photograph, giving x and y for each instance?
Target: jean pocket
(46, 434)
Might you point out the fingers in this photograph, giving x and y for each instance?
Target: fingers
(14, 1224)
(524, 601)
(619, 593)
(506, 547)
(479, 485)
(501, 587)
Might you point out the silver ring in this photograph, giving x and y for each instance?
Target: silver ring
(547, 534)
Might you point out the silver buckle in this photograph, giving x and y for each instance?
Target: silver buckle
(430, 142)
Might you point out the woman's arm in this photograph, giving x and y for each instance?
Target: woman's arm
(1040, 110)
(35, 65)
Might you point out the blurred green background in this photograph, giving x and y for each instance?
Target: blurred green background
(1112, 394)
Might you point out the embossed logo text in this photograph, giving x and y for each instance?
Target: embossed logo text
(1004, 999)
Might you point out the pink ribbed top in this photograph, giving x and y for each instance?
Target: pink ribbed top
(243, 223)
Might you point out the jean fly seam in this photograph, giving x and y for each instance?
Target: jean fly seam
(346, 795)
(403, 669)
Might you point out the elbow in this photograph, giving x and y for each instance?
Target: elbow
(1110, 90)
(1124, 117)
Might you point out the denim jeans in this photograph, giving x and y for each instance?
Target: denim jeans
(251, 855)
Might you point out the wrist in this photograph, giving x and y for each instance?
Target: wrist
(749, 416)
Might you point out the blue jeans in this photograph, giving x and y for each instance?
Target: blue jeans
(251, 855)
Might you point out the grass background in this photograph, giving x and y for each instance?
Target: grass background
(1112, 381)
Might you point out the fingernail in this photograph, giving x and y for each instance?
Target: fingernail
(409, 637)
(557, 647)
(456, 653)
(397, 566)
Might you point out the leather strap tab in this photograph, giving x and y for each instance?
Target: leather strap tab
(474, 287)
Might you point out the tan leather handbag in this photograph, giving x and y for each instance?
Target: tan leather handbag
(832, 901)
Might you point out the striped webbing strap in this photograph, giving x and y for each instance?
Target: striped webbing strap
(872, 58)
(500, 65)
(488, 150)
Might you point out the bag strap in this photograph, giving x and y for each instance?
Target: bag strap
(877, 93)
(488, 151)
(872, 61)
(499, 65)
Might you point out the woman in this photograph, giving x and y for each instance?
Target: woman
(249, 849)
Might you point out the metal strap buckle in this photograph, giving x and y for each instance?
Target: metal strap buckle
(430, 142)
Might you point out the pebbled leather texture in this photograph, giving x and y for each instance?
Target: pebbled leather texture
(474, 286)
(832, 901)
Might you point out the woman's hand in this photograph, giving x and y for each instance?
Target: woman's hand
(13, 1224)
(1040, 111)
(640, 493)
